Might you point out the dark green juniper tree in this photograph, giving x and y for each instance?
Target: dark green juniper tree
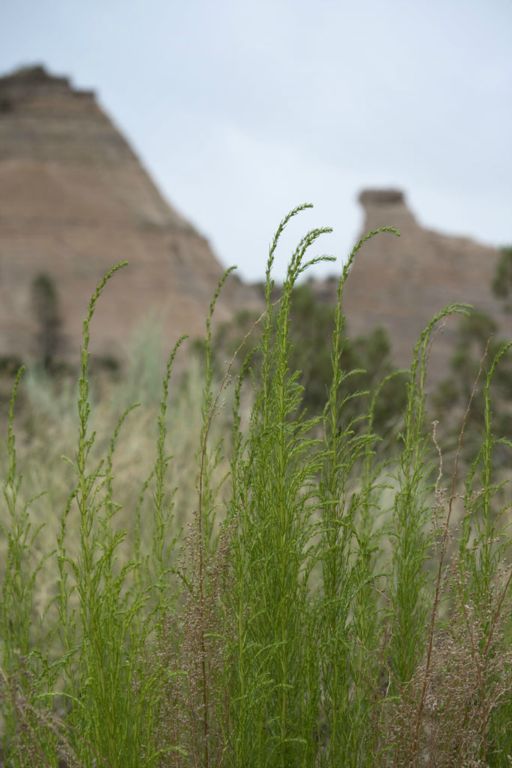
(45, 303)
(311, 325)
(477, 343)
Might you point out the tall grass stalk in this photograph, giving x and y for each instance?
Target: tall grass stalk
(343, 572)
(113, 693)
(412, 529)
(274, 476)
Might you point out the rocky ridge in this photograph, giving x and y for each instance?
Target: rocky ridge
(74, 199)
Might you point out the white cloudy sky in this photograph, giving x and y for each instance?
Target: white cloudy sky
(243, 109)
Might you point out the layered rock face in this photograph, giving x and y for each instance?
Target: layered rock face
(74, 200)
(400, 283)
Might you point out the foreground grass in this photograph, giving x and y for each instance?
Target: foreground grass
(275, 596)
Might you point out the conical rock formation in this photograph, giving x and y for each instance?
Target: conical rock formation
(74, 200)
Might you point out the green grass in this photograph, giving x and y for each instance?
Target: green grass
(215, 578)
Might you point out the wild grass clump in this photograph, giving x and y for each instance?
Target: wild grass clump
(279, 595)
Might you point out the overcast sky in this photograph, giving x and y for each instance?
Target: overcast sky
(242, 109)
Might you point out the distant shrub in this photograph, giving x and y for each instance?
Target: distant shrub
(367, 358)
(46, 307)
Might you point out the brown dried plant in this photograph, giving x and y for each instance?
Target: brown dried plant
(40, 737)
(468, 678)
(191, 651)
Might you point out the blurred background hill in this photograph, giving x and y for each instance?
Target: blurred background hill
(237, 113)
(74, 200)
(242, 110)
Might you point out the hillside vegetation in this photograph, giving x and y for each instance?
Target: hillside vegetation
(222, 576)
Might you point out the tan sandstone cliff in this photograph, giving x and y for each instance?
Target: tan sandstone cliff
(74, 199)
(400, 283)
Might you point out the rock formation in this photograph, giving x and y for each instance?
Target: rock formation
(74, 199)
(400, 283)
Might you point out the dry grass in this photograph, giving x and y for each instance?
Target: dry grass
(468, 678)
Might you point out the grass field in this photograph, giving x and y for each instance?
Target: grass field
(216, 578)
